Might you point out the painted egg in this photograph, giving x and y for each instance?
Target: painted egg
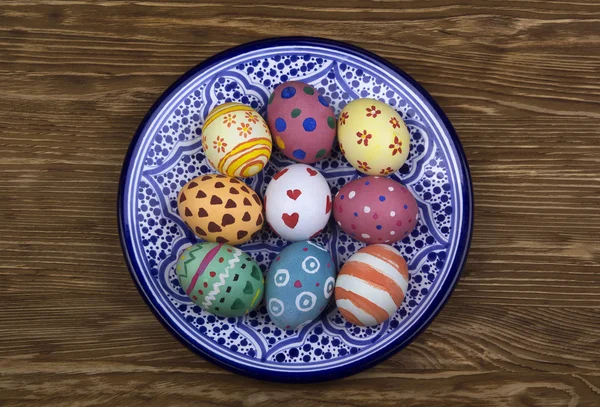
(220, 278)
(299, 284)
(220, 209)
(301, 121)
(373, 137)
(371, 285)
(375, 210)
(236, 140)
(298, 202)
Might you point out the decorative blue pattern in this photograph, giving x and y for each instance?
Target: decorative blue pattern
(167, 152)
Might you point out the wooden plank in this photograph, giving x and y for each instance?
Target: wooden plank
(520, 81)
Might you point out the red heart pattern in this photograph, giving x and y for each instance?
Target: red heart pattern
(291, 220)
(328, 205)
(311, 172)
(294, 194)
(280, 174)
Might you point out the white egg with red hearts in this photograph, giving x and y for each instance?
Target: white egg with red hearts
(298, 202)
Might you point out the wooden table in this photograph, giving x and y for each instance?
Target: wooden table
(520, 80)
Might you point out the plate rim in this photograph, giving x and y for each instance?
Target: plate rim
(448, 286)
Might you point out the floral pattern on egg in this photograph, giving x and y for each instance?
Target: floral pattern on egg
(236, 140)
(373, 137)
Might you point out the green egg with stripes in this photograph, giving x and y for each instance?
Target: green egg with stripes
(220, 278)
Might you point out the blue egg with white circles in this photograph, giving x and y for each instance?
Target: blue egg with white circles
(299, 284)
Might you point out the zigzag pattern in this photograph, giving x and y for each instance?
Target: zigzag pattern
(191, 258)
(216, 287)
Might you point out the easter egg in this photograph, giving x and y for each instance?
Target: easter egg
(220, 278)
(371, 285)
(373, 137)
(236, 140)
(301, 122)
(298, 202)
(299, 284)
(375, 209)
(220, 209)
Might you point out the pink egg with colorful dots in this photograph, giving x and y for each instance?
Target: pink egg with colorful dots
(301, 122)
(375, 210)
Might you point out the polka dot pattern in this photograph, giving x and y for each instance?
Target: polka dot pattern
(309, 121)
(299, 154)
(309, 124)
(323, 101)
(366, 209)
(280, 125)
(288, 92)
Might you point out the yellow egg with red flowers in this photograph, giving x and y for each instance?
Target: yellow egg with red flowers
(373, 137)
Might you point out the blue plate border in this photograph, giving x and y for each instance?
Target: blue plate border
(418, 327)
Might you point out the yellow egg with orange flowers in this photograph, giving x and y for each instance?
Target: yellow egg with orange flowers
(236, 140)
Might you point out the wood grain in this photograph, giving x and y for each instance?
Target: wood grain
(520, 81)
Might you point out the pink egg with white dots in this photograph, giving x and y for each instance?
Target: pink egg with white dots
(375, 210)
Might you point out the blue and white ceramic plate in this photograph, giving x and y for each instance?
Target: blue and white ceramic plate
(166, 152)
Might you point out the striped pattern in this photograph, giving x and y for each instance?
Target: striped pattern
(233, 145)
(224, 109)
(371, 285)
(250, 153)
(202, 267)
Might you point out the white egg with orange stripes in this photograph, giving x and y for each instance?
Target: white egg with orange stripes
(371, 285)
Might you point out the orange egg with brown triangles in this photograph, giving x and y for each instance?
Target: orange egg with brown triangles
(221, 209)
